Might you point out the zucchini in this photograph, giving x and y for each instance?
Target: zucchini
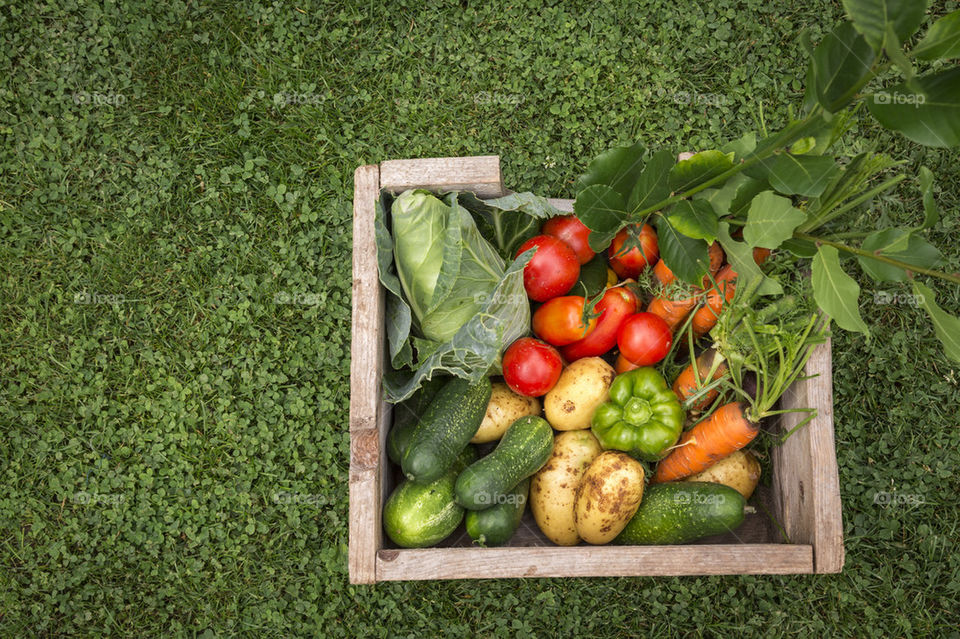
(522, 451)
(406, 415)
(495, 525)
(420, 515)
(447, 426)
(675, 513)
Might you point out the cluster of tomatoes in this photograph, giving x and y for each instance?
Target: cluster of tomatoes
(563, 325)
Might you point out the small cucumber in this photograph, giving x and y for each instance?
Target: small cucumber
(675, 513)
(495, 525)
(420, 515)
(522, 451)
(406, 415)
(447, 426)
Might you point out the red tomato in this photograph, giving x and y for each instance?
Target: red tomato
(572, 231)
(615, 307)
(552, 271)
(560, 321)
(644, 339)
(630, 261)
(531, 367)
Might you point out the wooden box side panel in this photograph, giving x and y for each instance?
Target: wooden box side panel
(480, 174)
(806, 483)
(594, 561)
(367, 414)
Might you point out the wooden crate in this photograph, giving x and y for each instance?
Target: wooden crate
(796, 529)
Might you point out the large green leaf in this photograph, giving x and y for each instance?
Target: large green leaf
(740, 257)
(900, 244)
(926, 111)
(836, 292)
(740, 205)
(688, 258)
(942, 40)
(652, 186)
(771, 220)
(802, 174)
(870, 17)
(694, 218)
(946, 326)
(839, 63)
(721, 198)
(509, 221)
(742, 146)
(703, 166)
(601, 209)
(618, 168)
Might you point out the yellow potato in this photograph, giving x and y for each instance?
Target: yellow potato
(504, 408)
(739, 470)
(583, 385)
(553, 489)
(608, 496)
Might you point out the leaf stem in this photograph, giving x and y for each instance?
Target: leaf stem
(880, 188)
(880, 258)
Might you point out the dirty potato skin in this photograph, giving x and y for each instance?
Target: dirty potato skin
(504, 408)
(553, 490)
(583, 385)
(739, 470)
(608, 496)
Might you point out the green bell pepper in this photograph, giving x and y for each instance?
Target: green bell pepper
(643, 417)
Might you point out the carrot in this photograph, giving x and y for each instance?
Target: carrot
(724, 432)
(685, 386)
(706, 316)
(623, 365)
(760, 255)
(665, 276)
(673, 312)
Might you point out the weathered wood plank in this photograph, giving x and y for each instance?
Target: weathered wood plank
(593, 561)
(480, 174)
(366, 369)
(806, 482)
(564, 205)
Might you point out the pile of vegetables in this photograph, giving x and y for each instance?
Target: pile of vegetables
(613, 367)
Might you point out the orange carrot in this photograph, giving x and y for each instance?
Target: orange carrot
(623, 365)
(706, 316)
(663, 273)
(724, 432)
(685, 386)
(665, 276)
(760, 255)
(673, 312)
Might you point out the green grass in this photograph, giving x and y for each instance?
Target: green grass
(173, 457)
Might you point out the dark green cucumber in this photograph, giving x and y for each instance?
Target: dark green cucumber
(522, 451)
(407, 414)
(678, 512)
(420, 515)
(447, 426)
(495, 525)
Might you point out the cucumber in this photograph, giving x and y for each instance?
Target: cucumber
(447, 426)
(406, 415)
(420, 515)
(675, 513)
(495, 525)
(522, 451)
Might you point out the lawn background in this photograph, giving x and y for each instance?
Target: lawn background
(175, 187)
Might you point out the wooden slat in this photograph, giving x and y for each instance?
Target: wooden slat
(480, 174)
(366, 370)
(596, 561)
(806, 483)
(564, 205)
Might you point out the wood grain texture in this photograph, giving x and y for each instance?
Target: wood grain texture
(480, 174)
(806, 484)
(593, 561)
(366, 370)
(564, 205)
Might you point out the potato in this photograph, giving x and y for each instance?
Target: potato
(583, 385)
(739, 470)
(553, 490)
(504, 408)
(608, 496)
